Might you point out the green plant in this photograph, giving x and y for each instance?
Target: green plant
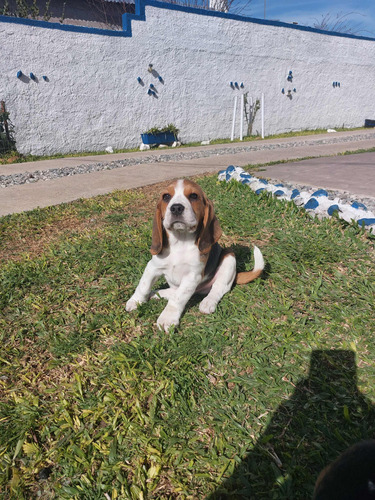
(170, 128)
(34, 10)
(7, 142)
(62, 17)
(23, 8)
(6, 10)
(47, 13)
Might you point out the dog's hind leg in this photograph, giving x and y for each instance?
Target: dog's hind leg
(223, 281)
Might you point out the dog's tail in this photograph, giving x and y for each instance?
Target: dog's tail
(246, 277)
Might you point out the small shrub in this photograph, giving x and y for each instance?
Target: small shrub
(170, 128)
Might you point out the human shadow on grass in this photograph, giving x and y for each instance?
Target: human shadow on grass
(325, 415)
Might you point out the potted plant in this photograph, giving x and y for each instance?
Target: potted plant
(165, 135)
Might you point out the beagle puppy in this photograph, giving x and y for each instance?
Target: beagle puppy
(185, 250)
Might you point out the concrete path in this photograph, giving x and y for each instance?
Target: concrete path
(353, 173)
(326, 173)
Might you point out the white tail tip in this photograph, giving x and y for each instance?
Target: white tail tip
(258, 259)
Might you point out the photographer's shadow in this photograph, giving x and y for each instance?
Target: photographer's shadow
(325, 415)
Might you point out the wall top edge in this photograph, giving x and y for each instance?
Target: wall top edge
(62, 27)
(140, 15)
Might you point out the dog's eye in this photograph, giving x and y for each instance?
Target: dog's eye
(166, 197)
(193, 196)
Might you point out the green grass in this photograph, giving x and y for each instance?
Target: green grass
(253, 400)
(15, 157)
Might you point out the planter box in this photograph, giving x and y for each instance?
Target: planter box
(162, 138)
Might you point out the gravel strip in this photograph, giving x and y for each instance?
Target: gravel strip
(44, 175)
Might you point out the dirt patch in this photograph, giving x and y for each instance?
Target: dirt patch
(34, 244)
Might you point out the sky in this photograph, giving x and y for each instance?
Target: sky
(359, 14)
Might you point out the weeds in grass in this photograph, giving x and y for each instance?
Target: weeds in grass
(254, 399)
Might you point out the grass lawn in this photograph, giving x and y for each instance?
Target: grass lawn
(249, 402)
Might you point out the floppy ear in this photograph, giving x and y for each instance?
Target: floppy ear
(157, 232)
(210, 231)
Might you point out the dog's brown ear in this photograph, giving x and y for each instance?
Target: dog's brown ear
(210, 231)
(157, 232)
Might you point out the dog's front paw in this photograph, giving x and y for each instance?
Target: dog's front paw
(131, 305)
(169, 317)
(208, 305)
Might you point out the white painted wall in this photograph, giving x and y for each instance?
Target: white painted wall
(93, 100)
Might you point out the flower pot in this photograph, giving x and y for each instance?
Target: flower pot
(161, 138)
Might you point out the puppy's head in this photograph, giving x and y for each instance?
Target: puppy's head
(183, 207)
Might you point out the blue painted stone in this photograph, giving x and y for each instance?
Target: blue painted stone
(358, 204)
(279, 185)
(366, 222)
(312, 204)
(320, 192)
(279, 192)
(231, 168)
(332, 209)
(228, 177)
(258, 191)
(245, 175)
(263, 181)
(295, 193)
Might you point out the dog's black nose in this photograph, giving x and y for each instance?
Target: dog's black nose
(177, 209)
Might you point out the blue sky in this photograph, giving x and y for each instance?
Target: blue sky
(361, 13)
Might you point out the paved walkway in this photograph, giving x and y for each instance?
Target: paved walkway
(184, 162)
(352, 173)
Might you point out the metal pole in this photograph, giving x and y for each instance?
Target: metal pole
(242, 113)
(262, 110)
(250, 130)
(234, 118)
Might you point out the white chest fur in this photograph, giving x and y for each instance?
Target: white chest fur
(179, 261)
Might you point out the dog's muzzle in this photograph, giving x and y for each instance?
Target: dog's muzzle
(177, 209)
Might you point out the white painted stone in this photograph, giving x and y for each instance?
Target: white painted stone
(144, 147)
(316, 202)
(92, 96)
